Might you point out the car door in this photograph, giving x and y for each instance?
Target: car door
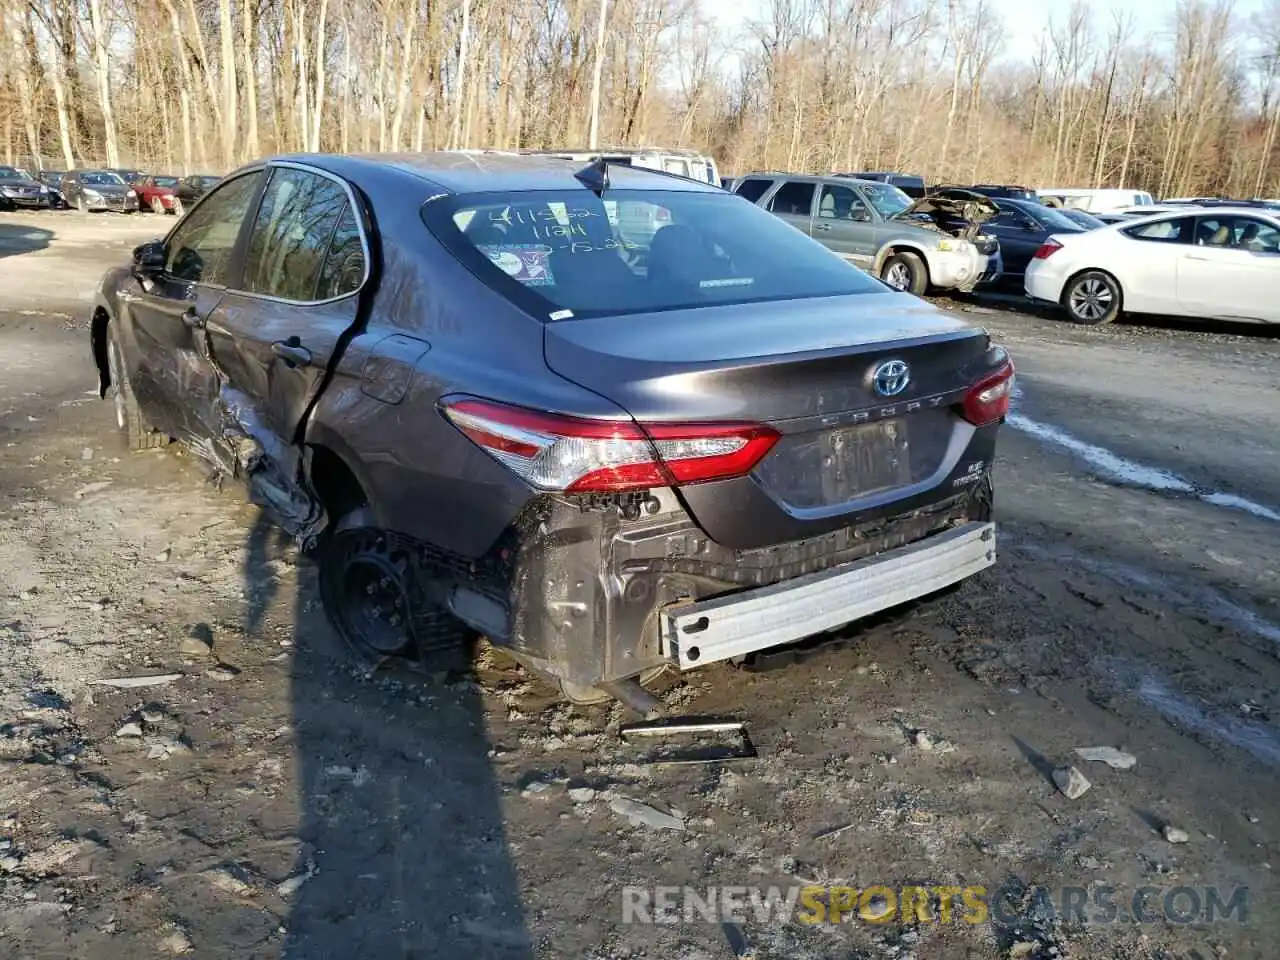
(1019, 235)
(1232, 270)
(793, 201)
(274, 336)
(1148, 263)
(186, 190)
(844, 224)
(173, 380)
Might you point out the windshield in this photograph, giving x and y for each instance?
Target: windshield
(569, 254)
(208, 181)
(101, 179)
(886, 198)
(165, 181)
(9, 172)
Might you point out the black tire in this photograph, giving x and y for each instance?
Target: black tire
(136, 433)
(906, 272)
(374, 599)
(1092, 298)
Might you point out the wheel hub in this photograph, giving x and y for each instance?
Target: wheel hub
(376, 603)
(897, 277)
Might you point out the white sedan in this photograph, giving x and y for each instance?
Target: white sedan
(1219, 263)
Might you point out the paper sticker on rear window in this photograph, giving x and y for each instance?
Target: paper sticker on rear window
(526, 262)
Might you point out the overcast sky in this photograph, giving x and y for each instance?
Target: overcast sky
(1024, 20)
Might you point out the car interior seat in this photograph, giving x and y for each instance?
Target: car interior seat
(679, 255)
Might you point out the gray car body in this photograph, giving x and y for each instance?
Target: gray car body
(119, 197)
(22, 191)
(361, 424)
(870, 242)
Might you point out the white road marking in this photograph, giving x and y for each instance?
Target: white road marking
(1130, 472)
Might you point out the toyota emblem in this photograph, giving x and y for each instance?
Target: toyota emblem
(891, 378)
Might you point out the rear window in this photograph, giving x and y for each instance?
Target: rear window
(563, 255)
(1054, 220)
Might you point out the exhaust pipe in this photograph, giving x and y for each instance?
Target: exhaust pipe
(634, 697)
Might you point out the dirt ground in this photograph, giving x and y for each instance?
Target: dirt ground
(268, 801)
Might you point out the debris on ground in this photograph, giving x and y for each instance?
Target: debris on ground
(133, 683)
(1175, 834)
(1116, 759)
(1071, 782)
(643, 815)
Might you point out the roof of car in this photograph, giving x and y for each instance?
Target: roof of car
(814, 177)
(459, 171)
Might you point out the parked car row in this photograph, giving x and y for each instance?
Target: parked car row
(120, 191)
(637, 425)
(912, 245)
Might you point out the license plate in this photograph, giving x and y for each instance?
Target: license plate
(867, 458)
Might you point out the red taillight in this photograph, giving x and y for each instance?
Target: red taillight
(1047, 250)
(988, 400)
(576, 455)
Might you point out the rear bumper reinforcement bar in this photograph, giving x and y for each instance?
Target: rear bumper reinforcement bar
(702, 632)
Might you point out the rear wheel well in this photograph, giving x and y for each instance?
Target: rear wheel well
(335, 484)
(902, 248)
(98, 340)
(1079, 273)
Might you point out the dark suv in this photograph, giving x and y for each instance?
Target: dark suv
(620, 422)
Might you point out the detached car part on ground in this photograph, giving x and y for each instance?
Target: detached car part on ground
(910, 245)
(492, 403)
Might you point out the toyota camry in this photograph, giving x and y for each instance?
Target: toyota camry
(618, 421)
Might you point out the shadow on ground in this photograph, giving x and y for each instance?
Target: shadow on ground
(404, 853)
(17, 239)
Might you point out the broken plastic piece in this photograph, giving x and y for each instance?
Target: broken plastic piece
(704, 741)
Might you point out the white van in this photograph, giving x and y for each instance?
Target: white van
(1096, 200)
(684, 163)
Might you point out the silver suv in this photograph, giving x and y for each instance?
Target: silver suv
(880, 228)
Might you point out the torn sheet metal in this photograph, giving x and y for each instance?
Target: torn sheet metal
(685, 742)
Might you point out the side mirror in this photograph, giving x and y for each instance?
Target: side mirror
(149, 259)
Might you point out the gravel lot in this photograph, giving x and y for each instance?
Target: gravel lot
(267, 802)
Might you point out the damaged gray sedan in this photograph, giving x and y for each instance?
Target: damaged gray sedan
(619, 422)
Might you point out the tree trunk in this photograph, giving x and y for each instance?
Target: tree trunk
(226, 29)
(249, 53)
(102, 64)
(317, 114)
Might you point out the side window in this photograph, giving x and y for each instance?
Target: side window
(344, 266)
(753, 189)
(200, 249)
(793, 197)
(672, 165)
(1013, 219)
(1163, 231)
(290, 238)
(841, 203)
(1257, 236)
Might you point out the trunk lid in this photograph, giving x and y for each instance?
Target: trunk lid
(808, 369)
